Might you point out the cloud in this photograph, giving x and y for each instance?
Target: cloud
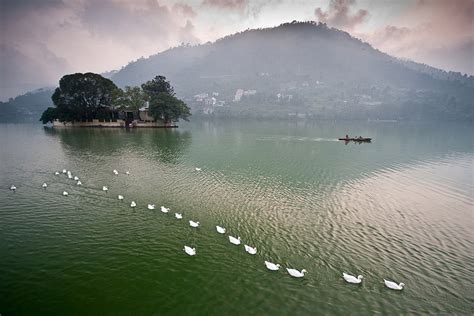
(339, 15)
(436, 32)
(90, 35)
(21, 71)
(227, 4)
(184, 10)
(138, 22)
(26, 62)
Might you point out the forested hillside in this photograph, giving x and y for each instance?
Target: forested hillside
(304, 69)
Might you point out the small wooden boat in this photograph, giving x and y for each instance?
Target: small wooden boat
(357, 139)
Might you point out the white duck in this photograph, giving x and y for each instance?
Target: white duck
(56, 173)
(394, 286)
(76, 178)
(64, 171)
(115, 172)
(295, 273)
(235, 241)
(190, 251)
(272, 266)
(178, 215)
(193, 224)
(197, 169)
(250, 250)
(127, 172)
(352, 279)
(120, 197)
(220, 230)
(151, 206)
(133, 204)
(79, 183)
(164, 209)
(69, 176)
(65, 193)
(104, 188)
(13, 188)
(44, 185)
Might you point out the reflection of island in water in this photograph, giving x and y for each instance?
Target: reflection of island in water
(167, 145)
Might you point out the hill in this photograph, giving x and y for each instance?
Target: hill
(27, 107)
(304, 69)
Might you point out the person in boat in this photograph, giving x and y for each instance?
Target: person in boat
(347, 136)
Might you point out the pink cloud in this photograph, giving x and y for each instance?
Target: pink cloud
(339, 15)
(436, 32)
(227, 4)
(49, 38)
(184, 10)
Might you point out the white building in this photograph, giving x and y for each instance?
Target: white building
(210, 101)
(238, 95)
(201, 96)
(250, 92)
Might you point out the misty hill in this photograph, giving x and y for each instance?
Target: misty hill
(304, 69)
(27, 107)
(301, 69)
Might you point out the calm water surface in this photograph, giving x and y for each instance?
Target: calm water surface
(400, 208)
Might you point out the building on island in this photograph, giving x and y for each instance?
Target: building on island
(127, 118)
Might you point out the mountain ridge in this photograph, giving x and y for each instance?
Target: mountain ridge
(305, 68)
(299, 54)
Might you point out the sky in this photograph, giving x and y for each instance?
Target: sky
(41, 40)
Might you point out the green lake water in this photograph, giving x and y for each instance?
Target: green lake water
(400, 208)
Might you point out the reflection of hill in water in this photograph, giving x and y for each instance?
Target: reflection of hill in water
(166, 145)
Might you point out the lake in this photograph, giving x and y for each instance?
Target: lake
(399, 208)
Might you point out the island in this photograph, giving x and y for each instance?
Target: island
(90, 100)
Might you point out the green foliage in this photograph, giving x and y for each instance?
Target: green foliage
(163, 103)
(157, 85)
(168, 108)
(90, 96)
(49, 115)
(132, 98)
(84, 96)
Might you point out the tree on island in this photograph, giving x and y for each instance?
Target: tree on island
(91, 96)
(82, 97)
(132, 98)
(49, 115)
(163, 104)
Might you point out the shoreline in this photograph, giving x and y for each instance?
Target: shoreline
(95, 123)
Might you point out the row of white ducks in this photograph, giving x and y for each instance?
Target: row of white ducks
(117, 173)
(233, 240)
(195, 224)
(253, 250)
(275, 267)
(357, 280)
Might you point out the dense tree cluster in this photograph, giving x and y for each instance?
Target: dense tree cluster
(163, 103)
(91, 96)
(82, 97)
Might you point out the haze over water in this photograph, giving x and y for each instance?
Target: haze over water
(399, 208)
